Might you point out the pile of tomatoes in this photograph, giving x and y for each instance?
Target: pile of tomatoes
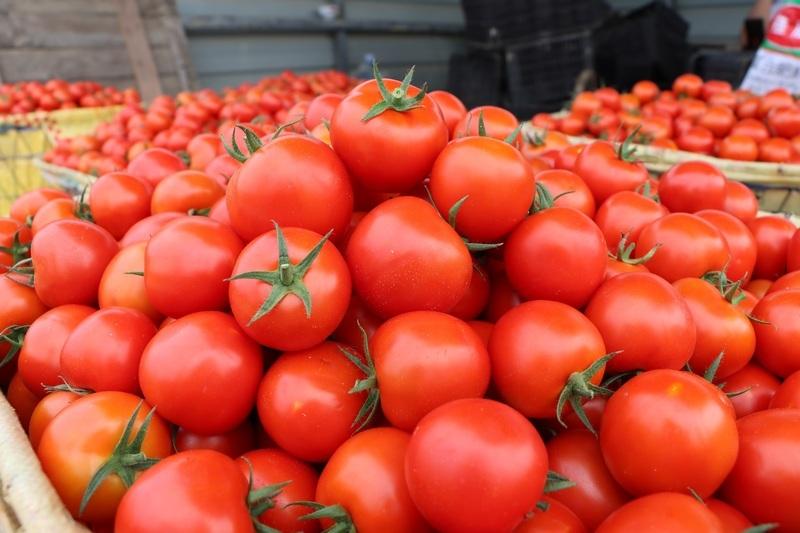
(28, 96)
(171, 123)
(409, 320)
(706, 117)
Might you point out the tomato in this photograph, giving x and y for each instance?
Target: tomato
(233, 443)
(626, 212)
(483, 329)
(295, 181)
(20, 307)
(775, 99)
(544, 121)
(21, 399)
(452, 109)
(46, 409)
(557, 254)
(750, 127)
(28, 204)
(496, 180)
(696, 139)
(222, 168)
(119, 288)
(58, 209)
(740, 201)
(69, 257)
(788, 393)
(773, 235)
(665, 512)
(715, 87)
(688, 85)
(14, 240)
(203, 149)
(719, 120)
(502, 297)
(775, 150)
(763, 482)
(759, 287)
(738, 147)
(655, 128)
(692, 186)
(759, 387)
(602, 121)
(103, 351)
(356, 317)
(558, 518)
(741, 243)
(499, 123)
(542, 143)
(425, 266)
(732, 520)
(202, 491)
(777, 327)
(147, 227)
(606, 174)
(273, 466)
(573, 124)
(784, 122)
(645, 91)
(155, 164)
(185, 191)
(576, 455)
(536, 348)
(82, 437)
(793, 253)
(431, 351)
(568, 190)
(474, 301)
(489, 458)
(690, 247)
(609, 96)
(304, 401)
(118, 201)
(787, 281)
(321, 109)
(376, 151)
(189, 253)
(646, 319)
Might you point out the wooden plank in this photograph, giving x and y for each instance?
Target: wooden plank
(59, 6)
(139, 52)
(178, 45)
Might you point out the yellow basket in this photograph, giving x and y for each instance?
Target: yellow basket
(17, 175)
(64, 123)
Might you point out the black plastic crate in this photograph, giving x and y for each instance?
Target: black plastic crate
(730, 66)
(545, 70)
(510, 21)
(477, 77)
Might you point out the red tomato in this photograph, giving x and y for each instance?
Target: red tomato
(609, 96)
(775, 150)
(738, 147)
(189, 253)
(45, 411)
(645, 91)
(568, 190)
(646, 319)
(188, 367)
(602, 121)
(58, 209)
(759, 287)
(777, 327)
(118, 201)
(206, 487)
(606, 174)
(489, 453)
(20, 307)
(793, 253)
(688, 85)
(696, 139)
(741, 243)
(483, 329)
(147, 227)
(29, 203)
(758, 385)
(719, 120)
(119, 288)
(692, 186)
(573, 124)
(684, 410)
(233, 443)
(321, 109)
(715, 87)
(570, 254)
(502, 297)
(452, 109)
(155, 164)
(773, 235)
(626, 212)
(762, 482)
(732, 520)
(21, 399)
(185, 191)
(665, 512)
(11, 230)
(784, 122)
(558, 518)
(222, 168)
(203, 149)
(356, 317)
(499, 123)
(740, 201)
(788, 394)
(476, 298)
(787, 281)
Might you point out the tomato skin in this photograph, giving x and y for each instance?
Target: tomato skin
(188, 367)
(499, 123)
(27, 204)
(21, 399)
(296, 181)
(20, 306)
(785, 282)
(692, 186)
(118, 201)
(222, 168)
(793, 253)
(426, 266)
(665, 512)
(431, 351)
(58, 209)
(65, 248)
(740, 201)
(558, 518)
(738, 147)
(557, 254)
(271, 466)
(481, 444)
(348, 331)
(203, 149)
(233, 443)
(9, 227)
(155, 164)
(776, 344)
(684, 410)
(645, 91)
(775, 150)
(718, 119)
(760, 387)
(762, 483)
(206, 486)
(788, 393)
(733, 521)
(143, 230)
(46, 409)
(784, 122)
(626, 212)
(376, 152)
(477, 296)
(286, 326)
(759, 287)
(187, 253)
(697, 139)
(119, 289)
(576, 194)
(495, 176)
(304, 402)
(321, 109)
(81, 438)
(773, 235)
(103, 351)
(184, 191)
(690, 247)
(502, 297)
(535, 348)
(688, 85)
(646, 318)
(605, 173)
(452, 108)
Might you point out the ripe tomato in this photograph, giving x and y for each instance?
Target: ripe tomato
(576, 455)
(626, 212)
(787, 281)
(304, 295)
(740, 201)
(233, 443)
(12, 230)
(185, 191)
(585, 103)
(296, 181)
(557, 254)
(738, 147)
(759, 387)
(489, 453)
(645, 90)
(273, 466)
(733, 521)
(69, 257)
(425, 266)
(45, 411)
(556, 518)
(431, 351)
(483, 329)
(58, 209)
(690, 247)
(376, 150)
(605, 120)
(200, 490)
(103, 351)
(82, 437)
(763, 482)
(773, 235)
(495, 179)
(740, 240)
(20, 307)
(21, 399)
(568, 190)
(28, 204)
(118, 201)
(222, 168)
(692, 186)
(719, 120)
(356, 318)
(499, 123)
(688, 85)
(203, 149)
(605, 173)
(775, 150)
(777, 328)
(155, 164)
(502, 297)
(188, 253)
(452, 109)
(793, 253)
(759, 287)
(573, 124)
(646, 319)
(474, 301)
(696, 139)
(788, 394)
(119, 288)
(784, 121)
(304, 401)
(665, 512)
(147, 227)
(321, 109)
(188, 367)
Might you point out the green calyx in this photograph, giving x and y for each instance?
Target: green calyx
(398, 99)
(64, 386)
(511, 138)
(544, 199)
(21, 272)
(761, 528)
(286, 279)
(730, 290)
(82, 209)
(579, 387)
(625, 251)
(368, 384)
(261, 500)
(251, 141)
(626, 149)
(342, 522)
(126, 460)
(452, 214)
(14, 336)
(555, 482)
(711, 373)
(646, 190)
(203, 212)
(17, 250)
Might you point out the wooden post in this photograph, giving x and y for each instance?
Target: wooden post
(139, 51)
